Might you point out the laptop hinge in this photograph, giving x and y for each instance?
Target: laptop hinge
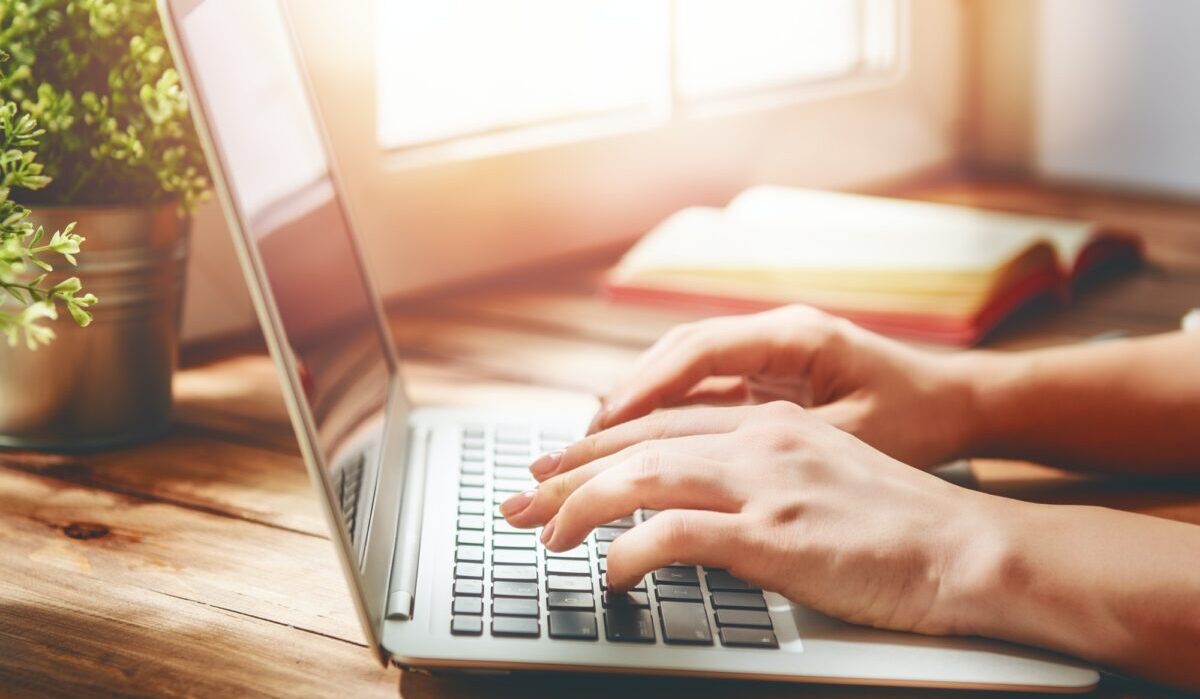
(402, 587)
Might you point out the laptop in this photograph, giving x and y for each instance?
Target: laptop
(410, 493)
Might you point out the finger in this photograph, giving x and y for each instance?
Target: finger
(545, 502)
(778, 342)
(673, 536)
(714, 391)
(665, 425)
(656, 478)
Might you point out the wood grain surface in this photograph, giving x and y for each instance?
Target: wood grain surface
(198, 565)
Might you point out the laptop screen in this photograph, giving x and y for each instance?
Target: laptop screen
(272, 156)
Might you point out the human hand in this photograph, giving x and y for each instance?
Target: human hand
(913, 405)
(777, 497)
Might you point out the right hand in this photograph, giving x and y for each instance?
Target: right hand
(913, 405)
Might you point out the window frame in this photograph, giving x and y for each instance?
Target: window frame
(674, 108)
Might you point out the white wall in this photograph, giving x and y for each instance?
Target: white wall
(1117, 93)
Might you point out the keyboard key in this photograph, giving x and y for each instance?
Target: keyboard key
(512, 434)
(470, 494)
(521, 450)
(579, 552)
(566, 583)
(608, 533)
(469, 539)
(513, 541)
(514, 557)
(473, 432)
(474, 443)
(743, 617)
(472, 571)
(602, 566)
(738, 600)
(570, 600)
(573, 625)
(500, 526)
(721, 581)
(514, 606)
(559, 566)
(470, 522)
(556, 435)
(471, 507)
(602, 549)
(507, 588)
(469, 554)
(472, 481)
(468, 605)
(626, 599)
(468, 588)
(466, 625)
(676, 575)
(515, 573)
(623, 523)
(512, 473)
(628, 625)
(748, 638)
(471, 468)
(511, 461)
(515, 626)
(678, 593)
(472, 455)
(685, 623)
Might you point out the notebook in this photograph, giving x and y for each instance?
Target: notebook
(934, 272)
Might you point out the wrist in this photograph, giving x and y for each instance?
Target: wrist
(982, 581)
(991, 385)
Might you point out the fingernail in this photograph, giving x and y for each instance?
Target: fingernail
(517, 503)
(546, 464)
(548, 533)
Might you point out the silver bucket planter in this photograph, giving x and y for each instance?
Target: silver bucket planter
(108, 384)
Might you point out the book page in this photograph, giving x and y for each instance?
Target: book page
(817, 229)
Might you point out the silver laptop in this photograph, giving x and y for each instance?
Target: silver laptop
(410, 494)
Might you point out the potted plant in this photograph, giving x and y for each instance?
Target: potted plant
(117, 160)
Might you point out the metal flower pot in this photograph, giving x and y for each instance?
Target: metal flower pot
(108, 384)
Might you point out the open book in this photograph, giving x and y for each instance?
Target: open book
(928, 271)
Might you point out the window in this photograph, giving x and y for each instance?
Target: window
(465, 69)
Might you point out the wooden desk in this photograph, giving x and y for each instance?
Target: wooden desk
(198, 564)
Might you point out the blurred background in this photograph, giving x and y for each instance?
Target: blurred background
(476, 137)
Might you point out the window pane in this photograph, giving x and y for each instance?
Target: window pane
(449, 68)
(724, 46)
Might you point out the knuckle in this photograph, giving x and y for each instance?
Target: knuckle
(774, 434)
(646, 469)
(559, 488)
(677, 530)
(798, 312)
(678, 333)
(780, 410)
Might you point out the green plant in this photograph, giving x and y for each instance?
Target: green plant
(97, 76)
(23, 245)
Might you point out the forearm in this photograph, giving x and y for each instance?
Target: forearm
(1131, 406)
(1119, 589)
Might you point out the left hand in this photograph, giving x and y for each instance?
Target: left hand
(780, 499)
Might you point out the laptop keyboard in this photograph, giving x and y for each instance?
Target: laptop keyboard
(507, 584)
